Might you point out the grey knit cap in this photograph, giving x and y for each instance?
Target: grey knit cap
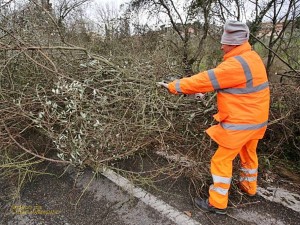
(235, 33)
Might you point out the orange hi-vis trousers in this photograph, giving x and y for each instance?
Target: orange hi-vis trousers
(221, 169)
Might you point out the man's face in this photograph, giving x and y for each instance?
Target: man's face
(227, 48)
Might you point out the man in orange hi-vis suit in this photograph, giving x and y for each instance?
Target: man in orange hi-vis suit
(243, 98)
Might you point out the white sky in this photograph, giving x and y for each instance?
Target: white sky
(111, 2)
(94, 4)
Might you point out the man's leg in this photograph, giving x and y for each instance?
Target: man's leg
(221, 169)
(249, 166)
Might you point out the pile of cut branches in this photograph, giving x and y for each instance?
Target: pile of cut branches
(65, 106)
(282, 139)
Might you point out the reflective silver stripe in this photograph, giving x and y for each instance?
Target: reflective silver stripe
(246, 90)
(220, 190)
(249, 179)
(248, 171)
(249, 84)
(219, 179)
(233, 126)
(247, 71)
(177, 86)
(213, 79)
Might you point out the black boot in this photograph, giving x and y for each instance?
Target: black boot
(204, 205)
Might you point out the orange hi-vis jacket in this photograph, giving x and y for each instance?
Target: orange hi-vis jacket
(243, 96)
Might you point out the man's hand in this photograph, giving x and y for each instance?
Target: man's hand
(162, 84)
(199, 96)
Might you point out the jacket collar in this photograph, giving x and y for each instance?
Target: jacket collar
(238, 50)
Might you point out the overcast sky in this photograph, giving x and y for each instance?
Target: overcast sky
(115, 2)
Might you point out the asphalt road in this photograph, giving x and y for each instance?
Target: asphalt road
(83, 199)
